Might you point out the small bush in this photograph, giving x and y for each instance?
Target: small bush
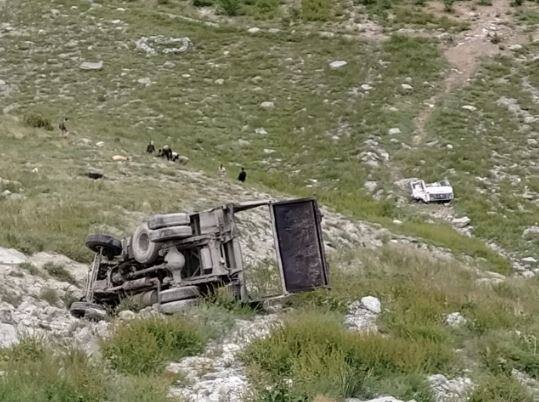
(229, 7)
(500, 388)
(140, 389)
(59, 272)
(50, 296)
(319, 356)
(68, 298)
(203, 3)
(38, 121)
(448, 5)
(32, 269)
(315, 10)
(143, 346)
(33, 372)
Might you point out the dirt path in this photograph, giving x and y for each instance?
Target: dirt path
(466, 50)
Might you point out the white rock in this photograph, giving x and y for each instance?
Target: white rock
(169, 64)
(253, 30)
(372, 304)
(531, 232)
(337, 64)
(469, 108)
(366, 87)
(370, 186)
(145, 81)
(407, 87)
(127, 315)
(445, 390)
(461, 222)
(394, 131)
(11, 256)
(219, 81)
(529, 260)
(261, 131)
(455, 320)
(449, 146)
(99, 144)
(267, 105)
(89, 65)
(8, 335)
(515, 47)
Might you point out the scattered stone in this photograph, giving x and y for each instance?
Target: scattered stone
(529, 260)
(261, 131)
(370, 186)
(445, 390)
(461, 222)
(8, 335)
(161, 44)
(407, 87)
(366, 87)
(219, 81)
(95, 174)
(99, 144)
(334, 65)
(253, 30)
(11, 256)
(394, 131)
(89, 65)
(145, 81)
(120, 158)
(362, 315)
(169, 64)
(515, 47)
(455, 320)
(267, 105)
(531, 233)
(469, 108)
(127, 315)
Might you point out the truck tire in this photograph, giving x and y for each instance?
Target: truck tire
(171, 233)
(110, 245)
(168, 220)
(177, 306)
(90, 311)
(144, 249)
(185, 292)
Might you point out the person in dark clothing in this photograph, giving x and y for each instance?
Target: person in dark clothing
(150, 148)
(242, 176)
(167, 152)
(62, 126)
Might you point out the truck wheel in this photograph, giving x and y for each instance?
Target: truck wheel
(172, 233)
(185, 292)
(177, 306)
(90, 311)
(144, 249)
(168, 220)
(110, 245)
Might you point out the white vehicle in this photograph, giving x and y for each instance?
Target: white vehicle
(433, 192)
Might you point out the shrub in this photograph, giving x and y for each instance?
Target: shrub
(315, 10)
(59, 272)
(49, 295)
(202, 3)
(229, 7)
(32, 269)
(142, 346)
(319, 356)
(500, 388)
(38, 121)
(33, 372)
(448, 5)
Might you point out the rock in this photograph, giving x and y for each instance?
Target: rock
(94, 174)
(515, 47)
(372, 304)
(334, 65)
(169, 64)
(407, 87)
(370, 186)
(76, 269)
(455, 320)
(366, 87)
(145, 81)
(267, 105)
(11, 256)
(253, 30)
(126, 315)
(161, 44)
(219, 81)
(89, 65)
(444, 389)
(469, 108)
(531, 232)
(461, 222)
(120, 158)
(8, 335)
(394, 131)
(377, 399)
(99, 144)
(529, 260)
(261, 131)
(177, 306)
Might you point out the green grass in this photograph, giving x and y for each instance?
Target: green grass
(59, 272)
(500, 389)
(33, 371)
(49, 295)
(142, 346)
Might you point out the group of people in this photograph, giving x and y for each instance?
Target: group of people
(167, 152)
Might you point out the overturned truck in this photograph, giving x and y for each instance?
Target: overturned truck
(172, 260)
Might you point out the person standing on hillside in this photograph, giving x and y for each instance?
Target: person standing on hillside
(62, 126)
(242, 176)
(150, 148)
(221, 170)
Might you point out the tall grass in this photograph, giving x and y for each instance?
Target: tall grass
(142, 346)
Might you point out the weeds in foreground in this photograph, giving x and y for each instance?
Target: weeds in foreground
(59, 272)
(142, 346)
